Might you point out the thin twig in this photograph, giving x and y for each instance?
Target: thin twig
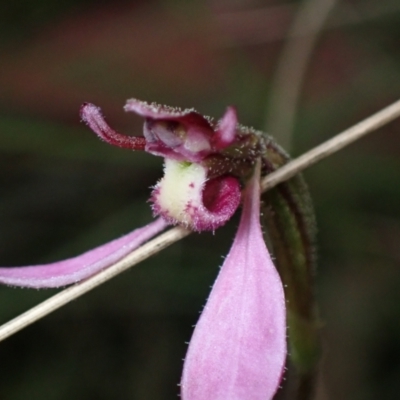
(331, 146)
(64, 297)
(292, 67)
(174, 234)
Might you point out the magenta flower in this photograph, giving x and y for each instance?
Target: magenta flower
(238, 348)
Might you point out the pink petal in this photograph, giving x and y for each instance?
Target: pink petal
(75, 269)
(226, 131)
(160, 112)
(93, 117)
(238, 348)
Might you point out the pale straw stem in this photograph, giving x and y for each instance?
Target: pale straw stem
(174, 234)
(64, 297)
(331, 146)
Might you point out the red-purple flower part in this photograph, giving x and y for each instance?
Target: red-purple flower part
(238, 348)
(183, 135)
(187, 195)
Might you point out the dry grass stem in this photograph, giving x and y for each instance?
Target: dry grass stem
(331, 146)
(171, 236)
(65, 296)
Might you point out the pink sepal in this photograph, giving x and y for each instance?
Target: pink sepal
(93, 117)
(188, 117)
(238, 348)
(226, 130)
(75, 269)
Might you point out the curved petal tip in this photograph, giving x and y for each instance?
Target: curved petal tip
(75, 269)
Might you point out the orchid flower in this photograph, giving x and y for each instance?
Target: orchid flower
(238, 348)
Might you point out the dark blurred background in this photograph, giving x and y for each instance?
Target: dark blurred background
(304, 70)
